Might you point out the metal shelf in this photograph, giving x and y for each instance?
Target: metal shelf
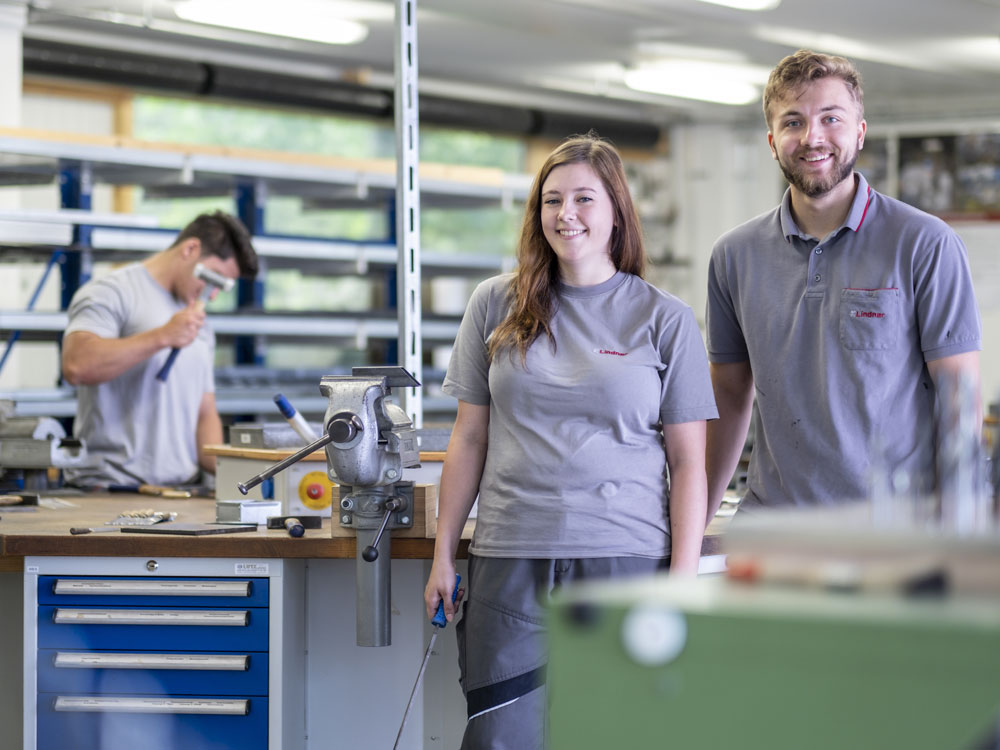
(231, 400)
(290, 251)
(285, 325)
(35, 158)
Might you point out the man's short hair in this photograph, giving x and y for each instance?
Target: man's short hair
(223, 236)
(804, 66)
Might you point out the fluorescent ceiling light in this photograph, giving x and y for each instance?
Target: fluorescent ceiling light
(978, 52)
(722, 83)
(839, 45)
(746, 4)
(312, 20)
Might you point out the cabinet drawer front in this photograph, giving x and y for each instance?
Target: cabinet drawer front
(156, 723)
(153, 673)
(152, 628)
(165, 592)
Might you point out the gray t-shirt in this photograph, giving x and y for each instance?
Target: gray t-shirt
(837, 334)
(576, 464)
(147, 425)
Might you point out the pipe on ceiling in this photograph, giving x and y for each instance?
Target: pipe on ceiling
(211, 80)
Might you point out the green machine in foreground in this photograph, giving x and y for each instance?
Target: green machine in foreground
(884, 642)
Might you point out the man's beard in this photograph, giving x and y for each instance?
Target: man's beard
(815, 187)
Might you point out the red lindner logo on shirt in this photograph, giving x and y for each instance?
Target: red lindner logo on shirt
(866, 314)
(613, 352)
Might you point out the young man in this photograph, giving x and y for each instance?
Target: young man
(121, 330)
(841, 310)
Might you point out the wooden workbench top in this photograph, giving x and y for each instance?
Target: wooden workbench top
(46, 532)
(278, 454)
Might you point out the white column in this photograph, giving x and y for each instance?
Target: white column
(408, 297)
(724, 176)
(17, 278)
(13, 19)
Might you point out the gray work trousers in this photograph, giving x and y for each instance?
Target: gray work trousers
(502, 649)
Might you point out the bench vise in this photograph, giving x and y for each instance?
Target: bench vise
(368, 441)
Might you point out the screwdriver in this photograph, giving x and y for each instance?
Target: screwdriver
(88, 530)
(439, 622)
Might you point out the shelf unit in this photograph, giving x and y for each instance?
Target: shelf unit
(77, 163)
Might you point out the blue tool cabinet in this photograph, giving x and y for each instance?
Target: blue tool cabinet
(162, 654)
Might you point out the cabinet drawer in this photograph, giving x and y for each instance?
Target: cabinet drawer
(147, 628)
(83, 722)
(139, 591)
(153, 673)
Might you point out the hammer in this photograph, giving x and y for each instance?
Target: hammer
(213, 280)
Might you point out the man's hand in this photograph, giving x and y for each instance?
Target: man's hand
(89, 359)
(183, 327)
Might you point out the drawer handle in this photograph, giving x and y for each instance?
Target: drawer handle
(207, 662)
(236, 618)
(218, 706)
(113, 587)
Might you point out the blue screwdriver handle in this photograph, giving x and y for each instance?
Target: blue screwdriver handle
(439, 618)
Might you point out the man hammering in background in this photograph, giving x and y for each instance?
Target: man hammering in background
(121, 331)
(842, 311)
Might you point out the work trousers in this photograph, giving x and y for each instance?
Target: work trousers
(502, 648)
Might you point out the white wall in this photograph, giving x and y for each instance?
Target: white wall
(726, 175)
(723, 176)
(982, 240)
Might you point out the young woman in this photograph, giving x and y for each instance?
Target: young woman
(578, 384)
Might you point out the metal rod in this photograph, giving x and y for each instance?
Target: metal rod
(370, 553)
(88, 530)
(416, 686)
(374, 596)
(269, 472)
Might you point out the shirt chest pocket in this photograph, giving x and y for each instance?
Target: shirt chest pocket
(870, 319)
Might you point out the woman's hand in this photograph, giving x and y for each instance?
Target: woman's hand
(440, 585)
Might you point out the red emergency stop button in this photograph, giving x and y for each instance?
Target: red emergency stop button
(315, 491)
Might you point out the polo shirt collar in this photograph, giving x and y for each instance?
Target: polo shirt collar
(855, 217)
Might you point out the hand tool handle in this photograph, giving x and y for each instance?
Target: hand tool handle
(165, 370)
(370, 553)
(439, 619)
(295, 419)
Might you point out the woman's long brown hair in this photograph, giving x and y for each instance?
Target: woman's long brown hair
(533, 290)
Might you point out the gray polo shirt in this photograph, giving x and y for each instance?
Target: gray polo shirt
(838, 334)
(576, 464)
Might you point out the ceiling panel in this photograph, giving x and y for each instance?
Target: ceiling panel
(919, 58)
